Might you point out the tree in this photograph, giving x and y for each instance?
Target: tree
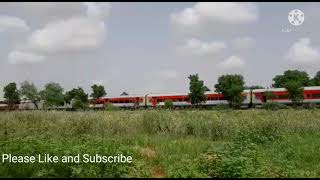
(269, 95)
(98, 91)
(291, 75)
(253, 87)
(168, 104)
(293, 81)
(295, 91)
(316, 79)
(207, 89)
(231, 86)
(11, 94)
(197, 90)
(30, 91)
(77, 97)
(52, 94)
(124, 94)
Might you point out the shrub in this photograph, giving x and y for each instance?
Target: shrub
(221, 107)
(168, 104)
(79, 105)
(110, 107)
(274, 106)
(235, 159)
(310, 106)
(186, 169)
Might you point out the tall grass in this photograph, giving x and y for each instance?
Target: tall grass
(164, 143)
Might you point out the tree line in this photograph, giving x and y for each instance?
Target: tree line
(230, 85)
(52, 95)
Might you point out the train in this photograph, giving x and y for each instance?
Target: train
(251, 98)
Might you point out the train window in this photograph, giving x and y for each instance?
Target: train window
(282, 96)
(316, 95)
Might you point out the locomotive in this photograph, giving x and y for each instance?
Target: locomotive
(255, 97)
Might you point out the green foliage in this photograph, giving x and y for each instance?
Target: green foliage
(77, 97)
(231, 86)
(310, 106)
(293, 81)
(29, 90)
(186, 143)
(253, 87)
(110, 107)
(222, 107)
(291, 75)
(197, 90)
(295, 91)
(62, 147)
(316, 79)
(11, 94)
(168, 104)
(274, 106)
(98, 91)
(269, 95)
(52, 94)
(78, 104)
(187, 169)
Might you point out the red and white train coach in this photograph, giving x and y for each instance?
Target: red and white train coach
(178, 99)
(311, 95)
(123, 101)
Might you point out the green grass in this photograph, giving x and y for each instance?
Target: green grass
(164, 143)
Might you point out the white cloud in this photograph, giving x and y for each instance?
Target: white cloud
(168, 74)
(18, 57)
(12, 23)
(216, 12)
(302, 53)
(75, 34)
(232, 62)
(244, 43)
(199, 48)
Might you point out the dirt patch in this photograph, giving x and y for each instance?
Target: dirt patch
(158, 173)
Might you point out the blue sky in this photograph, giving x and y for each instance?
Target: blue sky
(153, 47)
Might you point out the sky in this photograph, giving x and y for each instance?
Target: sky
(145, 48)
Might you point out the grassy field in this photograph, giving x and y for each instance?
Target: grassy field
(244, 143)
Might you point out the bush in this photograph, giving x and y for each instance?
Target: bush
(274, 106)
(110, 107)
(79, 105)
(237, 158)
(168, 104)
(221, 107)
(310, 106)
